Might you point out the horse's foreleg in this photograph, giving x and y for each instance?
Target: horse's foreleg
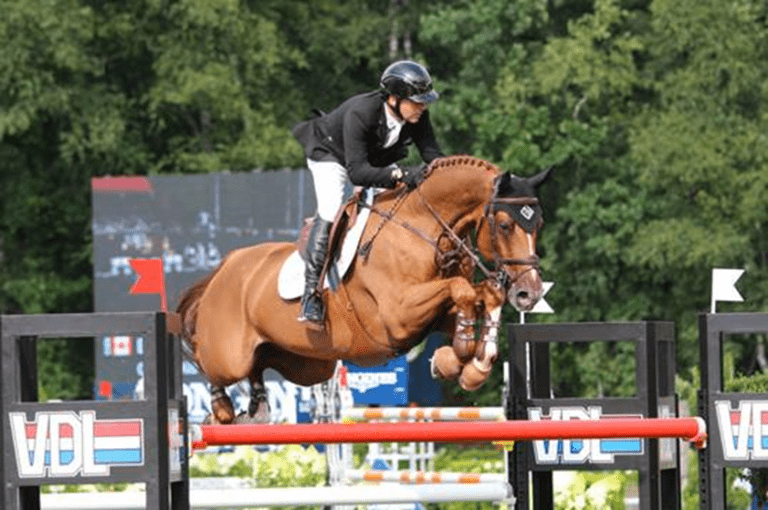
(417, 305)
(476, 372)
(420, 303)
(464, 343)
(445, 364)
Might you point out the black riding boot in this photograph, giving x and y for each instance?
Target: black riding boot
(312, 307)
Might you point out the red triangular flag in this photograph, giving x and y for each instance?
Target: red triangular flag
(151, 279)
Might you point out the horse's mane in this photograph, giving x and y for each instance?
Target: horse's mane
(449, 162)
(460, 160)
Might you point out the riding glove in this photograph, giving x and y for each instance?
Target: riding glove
(413, 175)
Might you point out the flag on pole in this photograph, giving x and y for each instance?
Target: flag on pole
(542, 306)
(724, 286)
(151, 279)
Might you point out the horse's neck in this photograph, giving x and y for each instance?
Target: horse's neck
(458, 194)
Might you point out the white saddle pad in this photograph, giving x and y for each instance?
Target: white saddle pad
(290, 281)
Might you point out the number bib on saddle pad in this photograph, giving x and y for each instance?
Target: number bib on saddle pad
(290, 281)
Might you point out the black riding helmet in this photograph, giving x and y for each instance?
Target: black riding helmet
(408, 80)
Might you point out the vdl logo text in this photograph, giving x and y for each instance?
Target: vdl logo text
(743, 431)
(581, 451)
(66, 444)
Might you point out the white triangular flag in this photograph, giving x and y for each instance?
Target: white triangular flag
(542, 306)
(724, 285)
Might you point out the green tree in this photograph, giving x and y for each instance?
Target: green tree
(697, 153)
(90, 89)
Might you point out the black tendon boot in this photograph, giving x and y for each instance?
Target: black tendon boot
(312, 307)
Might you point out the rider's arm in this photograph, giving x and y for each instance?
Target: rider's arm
(360, 171)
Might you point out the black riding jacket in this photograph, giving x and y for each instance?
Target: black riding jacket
(354, 133)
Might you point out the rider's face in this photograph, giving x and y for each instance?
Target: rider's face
(411, 110)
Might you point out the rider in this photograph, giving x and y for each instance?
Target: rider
(360, 142)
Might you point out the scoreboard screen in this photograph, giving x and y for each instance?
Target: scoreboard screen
(191, 222)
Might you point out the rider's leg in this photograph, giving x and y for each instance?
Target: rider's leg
(330, 180)
(312, 309)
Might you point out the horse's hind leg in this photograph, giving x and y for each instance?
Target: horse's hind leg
(297, 369)
(258, 406)
(222, 410)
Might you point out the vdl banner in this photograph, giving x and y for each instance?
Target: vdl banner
(598, 451)
(56, 444)
(743, 430)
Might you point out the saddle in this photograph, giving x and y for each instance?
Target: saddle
(344, 220)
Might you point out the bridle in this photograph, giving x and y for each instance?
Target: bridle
(502, 279)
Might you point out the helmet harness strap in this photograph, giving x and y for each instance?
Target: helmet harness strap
(396, 108)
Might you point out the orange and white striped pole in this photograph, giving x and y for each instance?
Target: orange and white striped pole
(423, 413)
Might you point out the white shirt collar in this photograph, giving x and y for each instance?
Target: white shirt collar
(394, 126)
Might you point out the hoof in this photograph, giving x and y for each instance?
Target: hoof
(223, 411)
(260, 415)
(464, 349)
(245, 419)
(473, 376)
(445, 364)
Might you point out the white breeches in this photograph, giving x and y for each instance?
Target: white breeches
(330, 180)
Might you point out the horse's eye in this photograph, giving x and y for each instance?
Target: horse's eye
(505, 226)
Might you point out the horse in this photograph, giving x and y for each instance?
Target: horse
(415, 271)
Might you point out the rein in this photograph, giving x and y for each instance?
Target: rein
(454, 237)
(501, 277)
(390, 216)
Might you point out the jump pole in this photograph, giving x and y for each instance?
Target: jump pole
(422, 477)
(290, 496)
(693, 429)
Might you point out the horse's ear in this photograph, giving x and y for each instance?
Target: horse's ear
(503, 184)
(540, 178)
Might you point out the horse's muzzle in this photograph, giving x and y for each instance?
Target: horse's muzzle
(523, 300)
(526, 291)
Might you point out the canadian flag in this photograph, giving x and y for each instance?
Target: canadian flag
(122, 346)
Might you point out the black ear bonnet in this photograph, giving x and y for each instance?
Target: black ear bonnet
(527, 215)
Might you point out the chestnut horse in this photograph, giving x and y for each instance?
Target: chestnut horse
(414, 273)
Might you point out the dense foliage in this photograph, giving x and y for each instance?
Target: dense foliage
(653, 113)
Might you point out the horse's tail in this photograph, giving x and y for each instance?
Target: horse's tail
(188, 302)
